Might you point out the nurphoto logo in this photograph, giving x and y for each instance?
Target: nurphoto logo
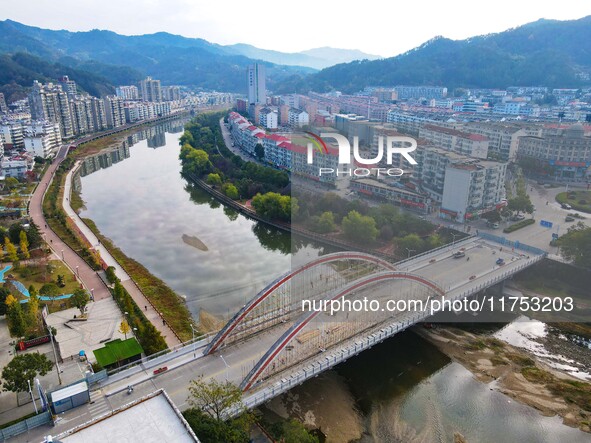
(392, 145)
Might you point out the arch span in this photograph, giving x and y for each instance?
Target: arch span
(293, 331)
(223, 334)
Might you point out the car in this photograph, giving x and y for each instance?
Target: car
(500, 261)
(493, 225)
(459, 254)
(518, 217)
(566, 206)
(568, 218)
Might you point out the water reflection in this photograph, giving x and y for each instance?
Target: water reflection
(138, 198)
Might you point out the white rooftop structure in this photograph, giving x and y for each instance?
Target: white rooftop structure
(153, 418)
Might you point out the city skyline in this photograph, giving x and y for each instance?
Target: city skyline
(219, 24)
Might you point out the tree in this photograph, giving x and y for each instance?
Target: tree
(323, 224)
(124, 328)
(22, 369)
(214, 179)
(15, 317)
(273, 205)
(60, 281)
(24, 244)
(196, 162)
(10, 250)
(230, 191)
(33, 307)
(359, 228)
(49, 290)
(214, 397)
(521, 203)
(295, 432)
(575, 245)
(10, 183)
(80, 299)
(411, 244)
(4, 293)
(259, 151)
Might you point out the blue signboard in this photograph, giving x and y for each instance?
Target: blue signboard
(545, 223)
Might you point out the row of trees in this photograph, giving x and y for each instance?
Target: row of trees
(575, 245)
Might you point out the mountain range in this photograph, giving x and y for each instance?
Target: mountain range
(546, 52)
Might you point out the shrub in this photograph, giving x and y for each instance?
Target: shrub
(519, 225)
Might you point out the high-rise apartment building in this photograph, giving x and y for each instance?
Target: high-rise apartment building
(68, 86)
(127, 92)
(255, 76)
(50, 102)
(42, 138)
(3, 107)
(150, 90)
(114, 111)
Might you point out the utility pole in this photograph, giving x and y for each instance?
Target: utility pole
(57, 366)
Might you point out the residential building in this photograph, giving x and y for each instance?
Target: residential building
(42, 139)
(268, 118)
(297, 118)
(150, 90)
(68, 86)
(472, 188)
(114, 111)
(257, 91)
(472, 145)
(394, 193)
(127, 92)
(17, 166)
(418, 92)
(567, 152)
(171, 93)
(503, 137)
(3, 107)
(50, 102)
(12, 134)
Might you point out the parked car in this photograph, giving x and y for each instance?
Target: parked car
(500, 261)
(569, 218)
(459, 254)
(493, 225)
(518, 217)
(566, 206)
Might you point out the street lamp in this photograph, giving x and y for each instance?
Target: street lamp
(227, 366)
(63, 254)
(409, 251)
(57, 366)
(193, 331)
(77, 271)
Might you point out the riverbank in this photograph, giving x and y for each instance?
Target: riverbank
(517, 374)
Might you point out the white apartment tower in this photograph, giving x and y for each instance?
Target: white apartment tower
(257, 92)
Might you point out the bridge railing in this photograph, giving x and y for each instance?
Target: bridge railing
(436, 251)
(512, 244)
(355, 346)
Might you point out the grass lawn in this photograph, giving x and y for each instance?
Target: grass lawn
(38, 275)
(579, 200)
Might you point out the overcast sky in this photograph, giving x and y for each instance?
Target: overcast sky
(384, 27)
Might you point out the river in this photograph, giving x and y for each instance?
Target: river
(403, 390)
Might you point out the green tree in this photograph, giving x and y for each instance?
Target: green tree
(575, 245)
(359, 228)
(410, 244)
(80, 299)
(24, 244)
(10, 250)
(10, 183)
(49, 290)
(4, 293)
(324, 223)
(197, 162)
(22, 369)
(214, 179)
(295, 432)
(15, 317)
(230, 191)
(259, 151)
(33, 309)
(187, 138)
(274, 206)
(521, 203)
(214, 397)
(61, 281)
